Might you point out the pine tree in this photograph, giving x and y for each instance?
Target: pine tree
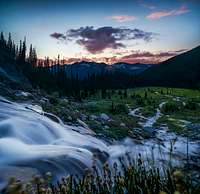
(63, 61)
(47, 62)
(30, 58)
(2, 40)
(23, 54)
(145, 95)
(58, 59)
(125, 93)
(16, 51)
(34, 57)
(9, 43)
(20, 48)
(13, 49)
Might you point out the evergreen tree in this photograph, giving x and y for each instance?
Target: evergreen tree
(125, 93)
(34, 57)
(2, 40)
(9, 43)
(58, 59)
(47, 62)
(13, 50)
(23, 54)
(20, 47)
(145, 94)
(16, 51)
(30, 54)
(19, 53)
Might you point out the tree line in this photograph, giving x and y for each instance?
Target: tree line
(51, 75)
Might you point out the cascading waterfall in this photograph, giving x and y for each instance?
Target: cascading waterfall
(30, 138)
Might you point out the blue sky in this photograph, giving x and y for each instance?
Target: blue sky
(173, 24)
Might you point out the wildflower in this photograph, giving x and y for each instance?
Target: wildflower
(36, 179)
(176, 192)
(28, 186)
(162, 192)
(15, 187)
(87, 172)
(42, 190)
(177, 174)
(106, 166)
(48, 191)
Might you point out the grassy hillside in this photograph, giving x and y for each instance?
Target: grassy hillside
(118, 123)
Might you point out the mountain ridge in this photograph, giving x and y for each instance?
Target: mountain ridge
(83, 68)
(180, 71)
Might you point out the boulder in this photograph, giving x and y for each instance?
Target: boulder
(44, 100)
(93, 117)
(104, 116)
(22, 94)
(69, 118)
(106, 127)
(122, 125)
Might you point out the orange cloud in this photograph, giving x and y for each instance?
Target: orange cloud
(149, 57)
(144, 57)
(122, 18)
(160, 14)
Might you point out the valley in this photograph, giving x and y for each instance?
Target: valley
(93, 102)
(71, 133)
(118, 105)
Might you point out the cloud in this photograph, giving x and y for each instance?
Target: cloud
(122, 18)
(149, 57)
(58, 36)
(160, 14)
(97, 40)
(146, 5)
(144, 57)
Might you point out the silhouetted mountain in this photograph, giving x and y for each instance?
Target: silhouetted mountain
(16, 70)
(131, 68)
(180, 71)
(84, 69)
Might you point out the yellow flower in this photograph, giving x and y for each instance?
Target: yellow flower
(162, 192)
(176, 192)
(177, 174)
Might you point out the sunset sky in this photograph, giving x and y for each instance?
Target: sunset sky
(105, 30)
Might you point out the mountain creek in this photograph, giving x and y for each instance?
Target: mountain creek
(33, 141)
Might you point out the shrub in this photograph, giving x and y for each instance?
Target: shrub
(91, 107)
(140, 101)
(53, 100)
(191, 105)
(170, 107)
(119, 108)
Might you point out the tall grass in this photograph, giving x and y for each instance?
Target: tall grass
(135, 178)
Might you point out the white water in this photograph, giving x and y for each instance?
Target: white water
(28, 138)
(148, 121)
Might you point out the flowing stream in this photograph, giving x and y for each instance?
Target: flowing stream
(148, 121)
(32, 141)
